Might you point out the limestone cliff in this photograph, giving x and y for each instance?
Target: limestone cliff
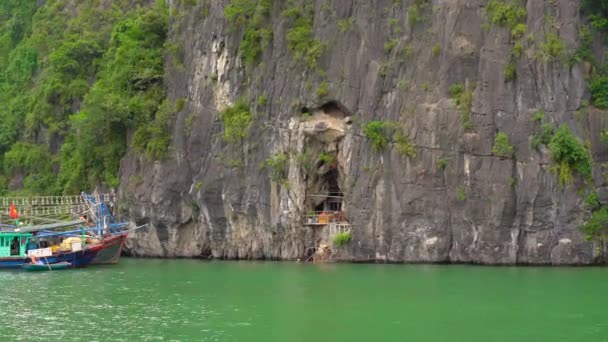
(454, 199)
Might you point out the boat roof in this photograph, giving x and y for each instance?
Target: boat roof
(14, 234)
(51, 226)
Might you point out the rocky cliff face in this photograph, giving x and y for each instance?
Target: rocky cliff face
(455, 200)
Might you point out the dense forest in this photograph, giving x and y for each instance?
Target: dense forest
(75, 79)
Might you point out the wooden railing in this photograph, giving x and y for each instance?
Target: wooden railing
(339, 228)
(324, 217)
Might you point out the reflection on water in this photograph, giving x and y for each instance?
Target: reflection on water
(182, 300)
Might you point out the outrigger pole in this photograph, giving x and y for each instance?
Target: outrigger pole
(29, 229)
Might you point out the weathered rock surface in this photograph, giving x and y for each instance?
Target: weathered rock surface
(209, 198)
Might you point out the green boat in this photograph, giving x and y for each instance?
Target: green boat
(46, 267)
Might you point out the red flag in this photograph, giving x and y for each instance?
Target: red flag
(13, 213)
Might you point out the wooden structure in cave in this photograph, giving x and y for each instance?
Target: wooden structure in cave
(329, 214)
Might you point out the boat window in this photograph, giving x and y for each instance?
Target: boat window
(15, 247)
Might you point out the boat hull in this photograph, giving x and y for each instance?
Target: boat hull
(76, 259)
(110, 254)
(12, 262)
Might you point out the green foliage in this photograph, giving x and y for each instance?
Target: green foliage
(15, 25)
(198, 186)
(584, 51)
(408, 51)
(179, 104)
(393, 22)
(604, 137)
(327, 158)
(345, 25)
(127, 94)
(277, 165)
(461, 193)
(251, 15)
(35, 163)
(323, 89)
(403, 144)
(552, 48)
(599, 90)
(236, 120)
(598, 14)
(442, 163)
(154, 138)
(383, 70)
(376, 133)
(510, 72)
(538, 116)
(596, 228)
(436, 50)
(262, 100)
(502, 147)
(592, 201)
(415, 12)
(518, 49)
(233, 163)
(463, 99)
(189, 2)
(81, 73)
(456, 90)
(569, 155)
(300, 36)
(509, 13)
(544, 137)
(519, 30)
(341, 239)
(390, 45)
(512, 15)
(237, 11)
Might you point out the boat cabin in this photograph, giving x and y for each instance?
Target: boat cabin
(13, 244)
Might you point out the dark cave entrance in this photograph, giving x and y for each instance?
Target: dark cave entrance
(335, 109)
(333, 197)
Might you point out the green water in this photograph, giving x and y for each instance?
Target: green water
(181, 300)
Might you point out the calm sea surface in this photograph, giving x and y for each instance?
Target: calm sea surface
(184, 300)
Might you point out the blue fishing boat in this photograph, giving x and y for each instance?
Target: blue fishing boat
(14, 251)
(91, 236)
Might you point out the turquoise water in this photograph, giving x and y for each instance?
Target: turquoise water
(185, 300)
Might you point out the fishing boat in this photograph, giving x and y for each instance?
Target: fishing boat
(114, 233)
(89, 235)
(46, 267)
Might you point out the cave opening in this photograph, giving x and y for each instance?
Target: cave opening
(335, 109)
(333, 194)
